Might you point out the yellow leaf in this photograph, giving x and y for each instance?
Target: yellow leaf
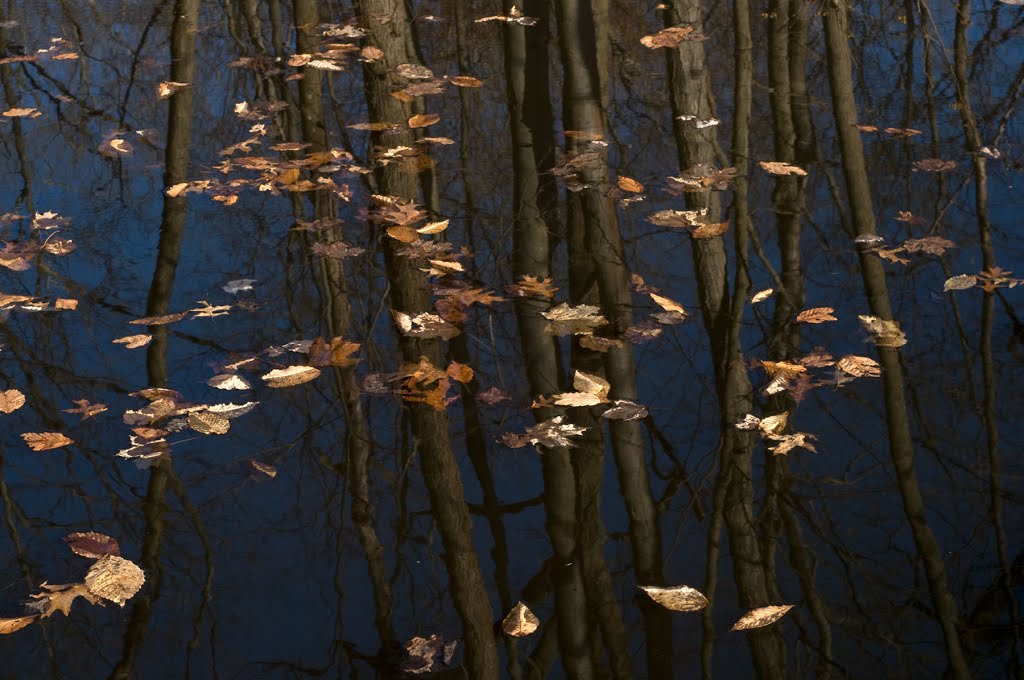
(423, 120)
(520, 621)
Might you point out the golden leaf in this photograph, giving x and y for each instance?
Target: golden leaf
(11, 625)
(423, 120)
(402, 233)
(433, 227)
(677, 598)
(205, 422)
(630, 184)
(465, 81)
(520, 621)
(460, 372)
(11, 400)
(710, 230)
(858, 366)
(134, 341)
(816, 315)
(59, 598)
(114, 578)
(774, 424)
(22, 113)
(669, 37)
(761, 617)
(667, 304)
(44, 441)
(65, 303)
(291, 376)
(780, 168)
(371, 53)
(762, 295)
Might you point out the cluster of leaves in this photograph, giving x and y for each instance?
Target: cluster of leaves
(687, 599)
(110, 578)
(420, 382)
(929, 245)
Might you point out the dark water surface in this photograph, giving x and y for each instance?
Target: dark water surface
(398, 509)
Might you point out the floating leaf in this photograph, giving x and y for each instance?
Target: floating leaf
(205, 422)
(85, 409)
(630, 184)
(960, 282)
(787, 442)
(45, 441)
(677, 598)
(263, 468)
(465, 81)
(237, 286)
(11, 400)
(336, 353)
(858, 366)
(625, 410)
(59, 598)
(762, 295)
(668, 305)
(816, 315)
(424, 325)
(22, 113)
(134, 341)
(208, 310)
(160, 320)
(291, 376)
(551, 433)
(935, 165)
(230, 411)
(229, 381)
(884, 332)
(579, 320)
(709, 230)
(165, 89)
(670, 37)
(514, 16)
(773, 424)
(761, 617)
(520, 621)
(114, 578)
(424, 656)
(8, 626)
(414, 71)
(423, 120)
(492, 396)
(780, 168)
(92, 545)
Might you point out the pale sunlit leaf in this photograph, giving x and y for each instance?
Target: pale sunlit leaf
(520, 621)
(761, 617)
(677, 598)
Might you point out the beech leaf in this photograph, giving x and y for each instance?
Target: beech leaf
(761, 617)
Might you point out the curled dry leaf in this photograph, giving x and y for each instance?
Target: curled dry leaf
(816, 315)
(433, 227)
(44, 441)
(667, 304)
(677, 598)
(92, 545)
(263, 468)
(761, 617)
(11, 400)
(371, 53)
(291, 376)
(788, 442)
(423, 120)
(629, 184)
(114, 578)
(22, 113)
(165, 89)
(520, 621)
(134, 341)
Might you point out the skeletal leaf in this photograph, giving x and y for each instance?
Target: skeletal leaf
(291, 376)
(134, 341)
(520, 621)
(45, 441)
(816, 315)
(205, 422)
(114, 578)
(677, 598)
(11, 400)
(229, 381)
(761, 617)
(92, 545)
(780, 168)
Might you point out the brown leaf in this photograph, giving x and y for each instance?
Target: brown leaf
(667, 304)
(433, 227)
(44, 441)
(677, 598)
(134, 341)
(59, 598)
(761, 617)
(165, 89)
(465, 81)
(858, 366)
(263, 468)
(520, 621)
(92, 545)
(780, 168)
(630, 184)
(423, 120)
(934, 165)
(670, 37)
(65, 303)
(114, 578)
(205, 422)
(8, 626)
(579, 320)
(336, 353)
(816, 315)
(460, 372)
(85, 409)
(533, 285)
(11, 400)
(371, 53)
(291, 376)
(960, 282)
(402, 233)
(160, 320)
(414, 71)
(787, 442)
(22, 113)
(710, 230)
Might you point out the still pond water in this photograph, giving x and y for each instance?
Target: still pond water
(439, 315)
